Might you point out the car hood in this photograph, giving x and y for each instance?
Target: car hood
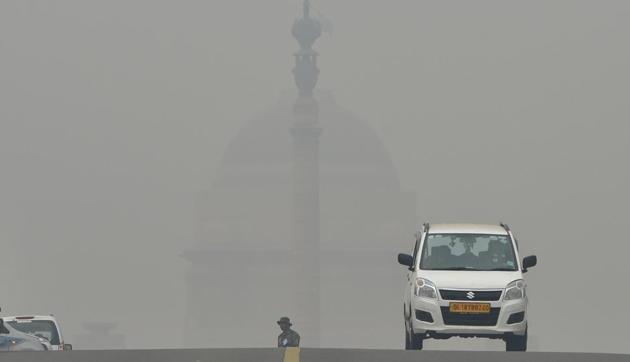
(449, 279)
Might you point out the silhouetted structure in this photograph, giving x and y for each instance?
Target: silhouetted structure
(306, 131)
(305, 214)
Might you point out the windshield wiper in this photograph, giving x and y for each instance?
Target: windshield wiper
(502, 269)
(458, 268)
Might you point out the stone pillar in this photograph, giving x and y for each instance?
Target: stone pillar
(305, 223)
(305, 220)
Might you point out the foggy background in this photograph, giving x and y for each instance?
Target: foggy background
(114, 115)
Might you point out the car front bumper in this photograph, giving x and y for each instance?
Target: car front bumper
(439, 329)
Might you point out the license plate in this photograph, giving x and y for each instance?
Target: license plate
(470, 308)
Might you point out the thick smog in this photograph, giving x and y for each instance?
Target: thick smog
(314, 180)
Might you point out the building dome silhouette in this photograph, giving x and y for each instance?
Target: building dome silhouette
(304, 191)
(361, 197)
(347, 141)
(244, 229)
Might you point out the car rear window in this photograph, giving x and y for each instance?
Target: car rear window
(39, 328)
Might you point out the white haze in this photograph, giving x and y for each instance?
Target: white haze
(114, 116)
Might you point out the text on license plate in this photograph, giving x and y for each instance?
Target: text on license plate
(470, 307)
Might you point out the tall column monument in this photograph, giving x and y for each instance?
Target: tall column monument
(305, 132)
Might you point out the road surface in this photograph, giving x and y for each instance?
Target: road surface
(306, 355)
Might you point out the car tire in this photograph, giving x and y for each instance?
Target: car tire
(515, 343)
(412, 340)
(416, 341)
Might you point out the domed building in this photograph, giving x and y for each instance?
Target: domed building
(305, 216)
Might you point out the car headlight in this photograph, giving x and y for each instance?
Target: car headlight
(515, 290)
(425, 288)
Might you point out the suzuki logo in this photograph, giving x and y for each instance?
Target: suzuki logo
(470, 295)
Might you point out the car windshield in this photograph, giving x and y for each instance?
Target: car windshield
(39, 328)
(468, 252)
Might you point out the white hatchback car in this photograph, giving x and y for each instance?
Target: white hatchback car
(42, 326)
(466, 280)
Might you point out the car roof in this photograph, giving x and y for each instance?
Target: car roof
(467, 229)
(31, 317)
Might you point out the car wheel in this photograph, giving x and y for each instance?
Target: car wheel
(416, 341)
(412, 340)
(516, 343)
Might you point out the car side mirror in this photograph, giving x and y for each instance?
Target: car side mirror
(406, 260)
(67, 347)
(529, 262)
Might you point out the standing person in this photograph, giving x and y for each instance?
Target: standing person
(288, 337)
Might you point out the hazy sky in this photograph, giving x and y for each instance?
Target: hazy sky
(115, 114)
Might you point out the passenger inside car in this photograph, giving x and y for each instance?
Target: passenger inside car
(468, 258)
(440, 256)
(495, 255)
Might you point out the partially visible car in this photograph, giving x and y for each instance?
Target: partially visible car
(12, 340)
(42, 326)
